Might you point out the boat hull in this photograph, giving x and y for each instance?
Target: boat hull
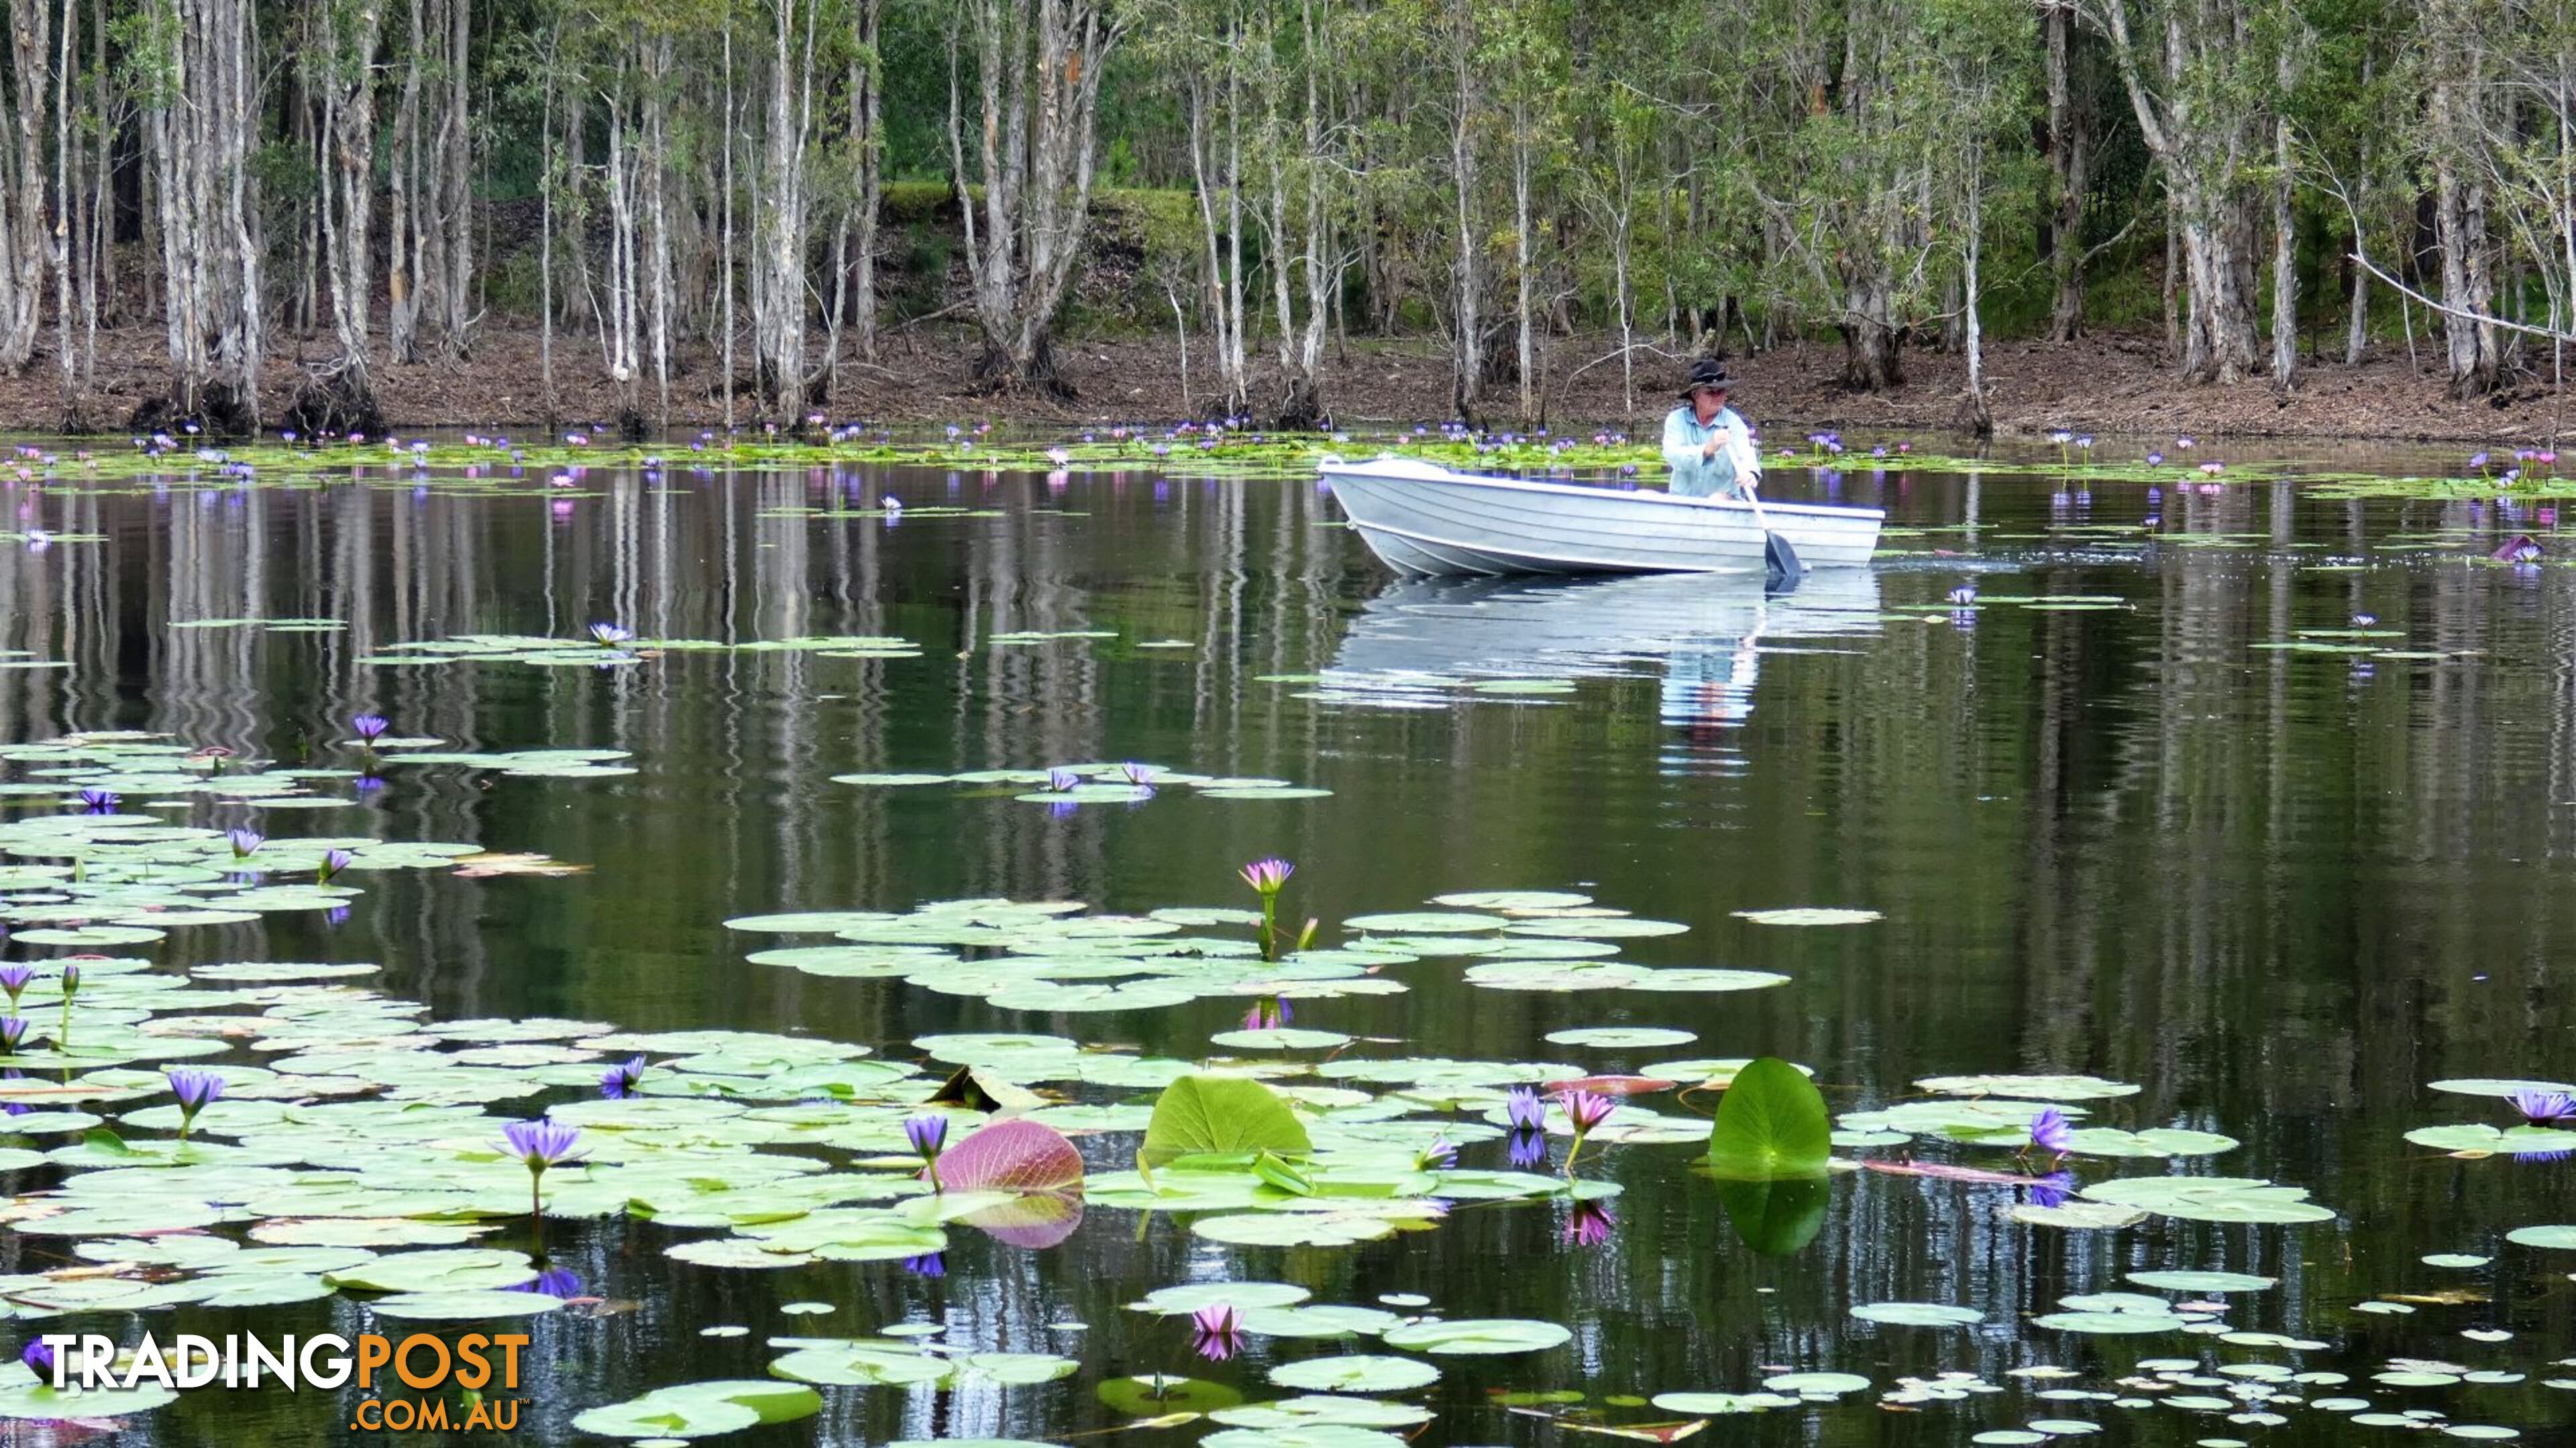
(1424, 519)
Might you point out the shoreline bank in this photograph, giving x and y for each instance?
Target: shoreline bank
(2116, 386)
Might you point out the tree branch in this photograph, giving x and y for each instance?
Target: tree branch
(2446, 309)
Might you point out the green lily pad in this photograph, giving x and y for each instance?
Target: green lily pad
(1190, 1297)
(699, 1410)
(1220, 1116)
(2220, 1282)
(1918, 1314)
(464, 1304)
(1817, 1385)
(1426, 922)
(2037, 1088)
(1479, 1336)
(1809, 915)
(1513, 900)
(1621, 1036)
(1718, 1405)
(1772, 1123)
(2561, 1238)
(1355, 1373)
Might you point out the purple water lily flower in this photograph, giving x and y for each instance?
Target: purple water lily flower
(2049, 1132)
(2364, 620)
(1218, 1330)
(14, 978)
(246, 842)
(2521, 548)
(39, 1358)
(98, 801)
(2540, 1108)
(609, 635)
(537, 1145)
(196, 1091)
(332, 863)
(1063, 781)
(1439, 1155)
(369, 727)
(928, 1264)
(1141, 775)
(1526, 1149)
(1268, 876)
(13, 1033)
(928, 1134)
(540, 1144)
(619, 1081)
(2155, 459)
(1589, 1225)
(1526, 1110)
(2478, 460)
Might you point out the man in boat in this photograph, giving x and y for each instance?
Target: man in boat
(1707, 446)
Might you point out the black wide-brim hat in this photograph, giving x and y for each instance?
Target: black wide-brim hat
(1706, 372)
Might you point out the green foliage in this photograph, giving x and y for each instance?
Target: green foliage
(1221, 1116)
(1771, 1124)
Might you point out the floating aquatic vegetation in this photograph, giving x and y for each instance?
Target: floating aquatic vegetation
(1220, 1117)
(1808, 915)
(1126, 783)
(699, 1410)
(588, 652)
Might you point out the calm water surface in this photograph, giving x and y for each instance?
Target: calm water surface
(2279, 890)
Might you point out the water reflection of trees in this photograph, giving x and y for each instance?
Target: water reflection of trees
(2280, 896)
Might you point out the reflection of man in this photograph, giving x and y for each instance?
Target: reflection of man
(1708, 447)
(1710, 686)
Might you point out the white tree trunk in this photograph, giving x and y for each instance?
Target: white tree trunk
(1038, 66)
(23, 223)
(1469, 345)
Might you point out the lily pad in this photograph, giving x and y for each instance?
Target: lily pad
(1809, 915)
(1220, 1116)
(1479, 1336)
(1621, 1036)
(699, 1410)
(1772, 1123)
(1355, 1373)
(1918, 1314)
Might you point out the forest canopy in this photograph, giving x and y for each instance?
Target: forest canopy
(740, 198)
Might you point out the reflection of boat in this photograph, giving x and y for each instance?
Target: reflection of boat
(1705, 628)
(1424, 519)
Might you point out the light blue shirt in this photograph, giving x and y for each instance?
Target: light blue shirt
(1683, 439)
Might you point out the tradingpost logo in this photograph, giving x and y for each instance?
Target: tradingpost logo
(482, 1365)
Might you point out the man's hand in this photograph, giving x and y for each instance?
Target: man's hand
(1709, 451)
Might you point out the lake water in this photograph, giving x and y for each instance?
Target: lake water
(2114, 830)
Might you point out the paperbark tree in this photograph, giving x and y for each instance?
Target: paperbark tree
(339, 64)
(2197, 84)
(24, 224)
(199, 107)
(1035, 67)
